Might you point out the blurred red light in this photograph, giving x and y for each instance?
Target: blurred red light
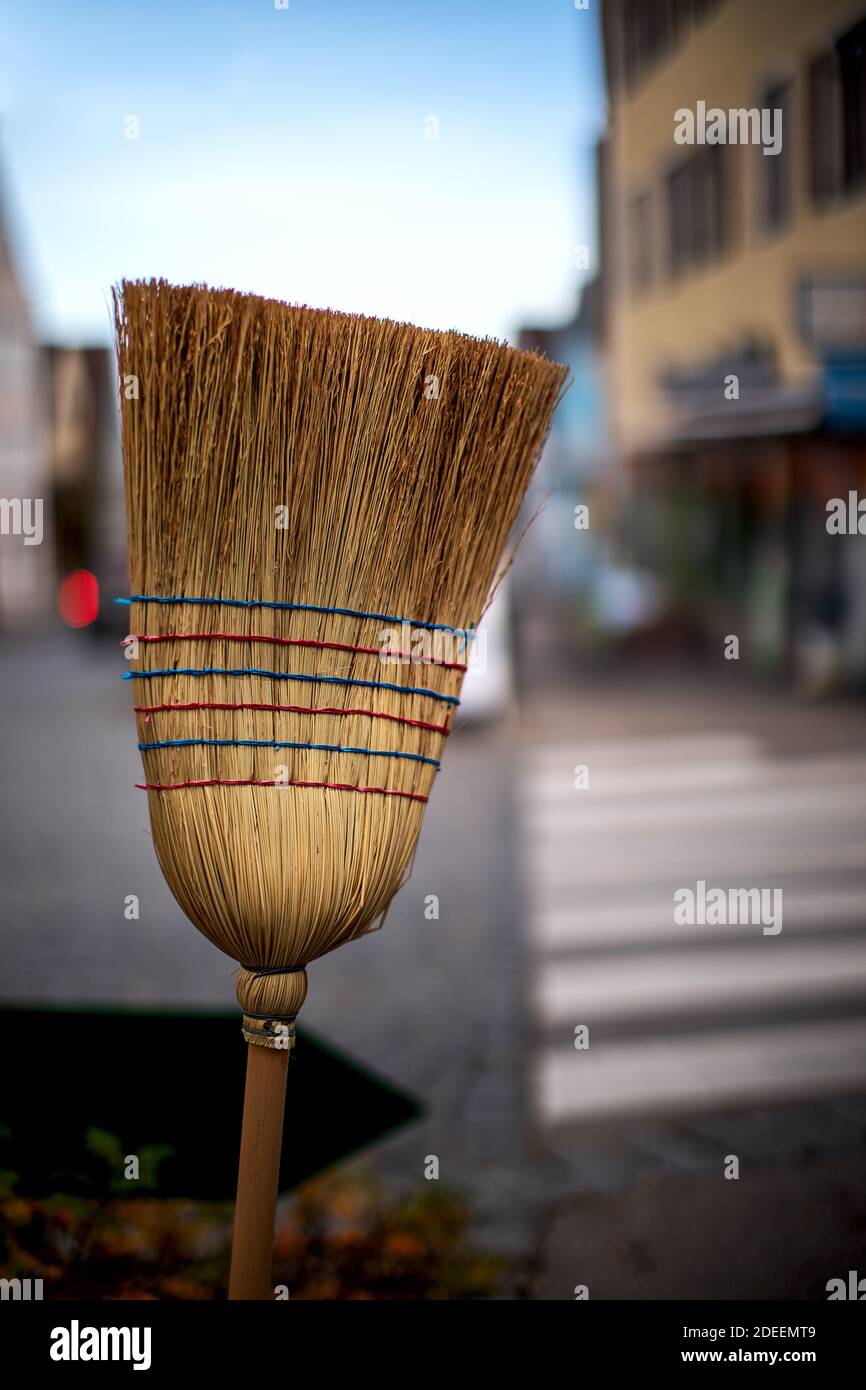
(78, 598)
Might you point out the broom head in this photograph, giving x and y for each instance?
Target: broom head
(282, 464)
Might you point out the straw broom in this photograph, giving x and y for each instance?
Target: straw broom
(317, 507)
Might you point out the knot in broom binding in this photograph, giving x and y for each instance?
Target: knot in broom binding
(271, 999)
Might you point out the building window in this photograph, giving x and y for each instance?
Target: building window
(852, 71)
(697, 221)
(837, 124)
(825, 142)
(703, 9)
(648, 30)
(776, 171)
(640, 243)
(679, 218)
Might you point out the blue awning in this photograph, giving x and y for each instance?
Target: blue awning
(844, 383)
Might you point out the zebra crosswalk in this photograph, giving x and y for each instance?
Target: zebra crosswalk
(684, 1017)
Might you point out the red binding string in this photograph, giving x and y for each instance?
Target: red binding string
(252, 782)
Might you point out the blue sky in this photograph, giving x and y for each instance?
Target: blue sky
(287, 152)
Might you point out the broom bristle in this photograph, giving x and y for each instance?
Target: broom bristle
(292, 456)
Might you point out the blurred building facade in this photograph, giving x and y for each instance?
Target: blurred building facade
(60, 448)
(85, 469)
(576, 453)
(26, 569)
(734, 312)
(573, 589)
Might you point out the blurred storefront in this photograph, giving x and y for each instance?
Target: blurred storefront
(734, 273)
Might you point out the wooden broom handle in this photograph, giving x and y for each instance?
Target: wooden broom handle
(258, 1172)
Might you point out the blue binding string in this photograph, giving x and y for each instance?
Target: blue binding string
(303, 607)
(268, 743)
(290, 676)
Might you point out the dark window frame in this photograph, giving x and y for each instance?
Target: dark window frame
(698, 209)
(650, 30)
(836, 85)
(776, 173)
(851, 50)
(642, 241)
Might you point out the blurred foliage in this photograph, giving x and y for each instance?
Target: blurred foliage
(107, 1147)
(343, 1238)
(96, 1164)
(338, 1237)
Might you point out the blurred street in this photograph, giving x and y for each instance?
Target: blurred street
(701, 1015)
(556, 910)
(705, 1042)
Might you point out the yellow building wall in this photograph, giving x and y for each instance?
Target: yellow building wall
(752, 289)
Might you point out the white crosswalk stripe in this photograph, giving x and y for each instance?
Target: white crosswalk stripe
(669, 1074)
(601, 866)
